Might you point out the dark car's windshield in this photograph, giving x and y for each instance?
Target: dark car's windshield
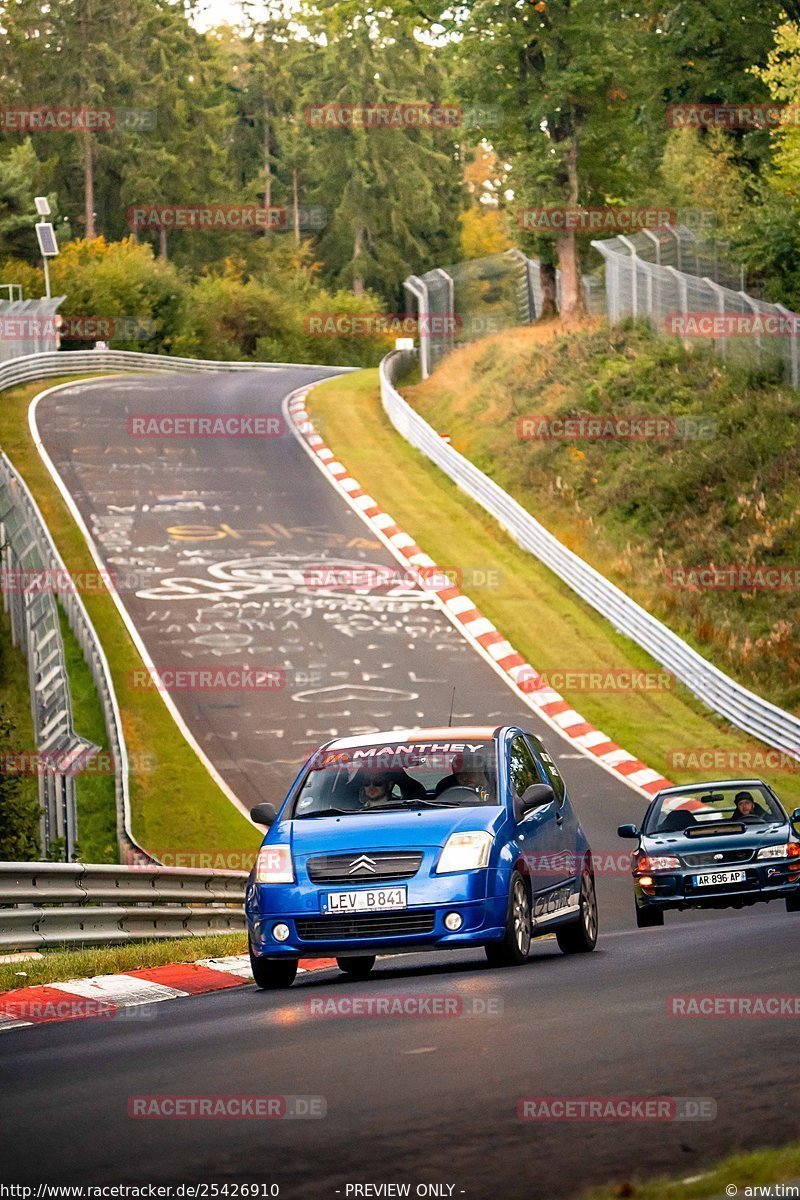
(400, 776)
(706, 808)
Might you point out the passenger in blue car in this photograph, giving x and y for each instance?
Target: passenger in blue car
(375, 789)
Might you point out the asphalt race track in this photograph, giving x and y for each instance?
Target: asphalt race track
(218, 534)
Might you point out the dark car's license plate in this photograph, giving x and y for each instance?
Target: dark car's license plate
(717, 878)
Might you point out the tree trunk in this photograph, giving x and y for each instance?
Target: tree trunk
(547, 282)
(88, 186)
(267, 151)
(162, 243)
(573, 303)
(358, 241)
(295, 206)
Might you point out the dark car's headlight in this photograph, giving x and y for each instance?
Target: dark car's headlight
(464, 852)
(657, 862)
(784, 850)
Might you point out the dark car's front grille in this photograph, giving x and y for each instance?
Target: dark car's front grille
(717, 858)
(382, 866)
(366, 925)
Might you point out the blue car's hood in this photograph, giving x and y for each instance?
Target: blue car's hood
(383, 831)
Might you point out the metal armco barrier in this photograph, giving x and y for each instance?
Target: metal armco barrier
(27, 554)
(71, 904)
(717, 690)
(20, 514)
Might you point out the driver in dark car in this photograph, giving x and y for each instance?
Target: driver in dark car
(746, 808)
(469, 770)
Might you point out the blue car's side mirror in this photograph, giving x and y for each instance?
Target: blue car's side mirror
(627, 831)
(795, 816)
(264, 814)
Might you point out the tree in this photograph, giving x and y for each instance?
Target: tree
(392, 194)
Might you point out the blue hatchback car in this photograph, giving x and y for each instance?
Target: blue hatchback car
(714, 845)
(422, 839)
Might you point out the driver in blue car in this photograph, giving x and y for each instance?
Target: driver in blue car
(469, 771)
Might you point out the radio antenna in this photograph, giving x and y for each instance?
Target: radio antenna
(452, 705)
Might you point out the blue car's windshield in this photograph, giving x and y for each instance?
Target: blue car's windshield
(703, 808)
(401, 776)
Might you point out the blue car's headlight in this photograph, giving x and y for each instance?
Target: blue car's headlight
(464, 852)
(274, 865)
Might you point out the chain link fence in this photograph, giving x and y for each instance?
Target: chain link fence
(670, 277)
(461, 303)
(677, 279)
(27, 326)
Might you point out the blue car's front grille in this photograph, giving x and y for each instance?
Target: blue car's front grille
(366, 925)
(382, 866)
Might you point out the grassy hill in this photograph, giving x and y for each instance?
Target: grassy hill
(722, 490)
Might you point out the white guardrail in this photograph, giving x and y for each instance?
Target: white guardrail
(31, 368)
(70, 904)
(717, 690)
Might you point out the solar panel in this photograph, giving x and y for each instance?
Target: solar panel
(47, 239)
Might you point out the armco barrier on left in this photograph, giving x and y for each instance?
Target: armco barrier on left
(83, 904)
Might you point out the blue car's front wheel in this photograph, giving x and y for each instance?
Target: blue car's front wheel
(356, 967)
(513, 948)
(272, 973)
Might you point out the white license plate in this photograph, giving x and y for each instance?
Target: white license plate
(713, 878)
(372, 900)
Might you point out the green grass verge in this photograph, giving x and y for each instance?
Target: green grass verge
(19, 821)
(541, 617)
(638, 510)
(760, 1167)
(95, 798)
(57, 965)
(175, 804)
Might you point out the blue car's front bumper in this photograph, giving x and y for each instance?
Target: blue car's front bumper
(479, 897)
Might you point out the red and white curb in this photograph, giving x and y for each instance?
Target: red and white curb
(106, 996)
(478, 629)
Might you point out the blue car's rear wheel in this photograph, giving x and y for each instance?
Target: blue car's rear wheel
(273, 973)
(580, 936)
(513, 949)
(357, 968)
